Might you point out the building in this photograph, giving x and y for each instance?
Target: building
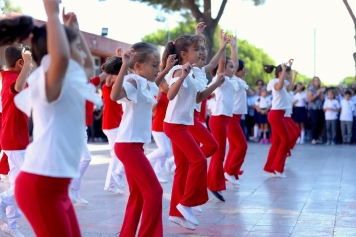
(100, 46)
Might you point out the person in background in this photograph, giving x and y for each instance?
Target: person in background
(346, 117)
(250, 121)
(331, 108)
(316, 99)
(263, 106)
(300, 109)
(353, 99)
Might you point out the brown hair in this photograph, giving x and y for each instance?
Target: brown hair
(181, 43)
(20, 28)
(13, 54)
(112, 65)
(143, 51)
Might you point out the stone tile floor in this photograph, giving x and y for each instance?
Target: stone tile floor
(318, 198)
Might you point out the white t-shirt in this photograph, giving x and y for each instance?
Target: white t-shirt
(280, 98)
(199, 75)
(289, 111)
(300, 98)
(240, 105)
(58, 137)
(347, 109)
(331, 104)
(353, 99)
(224, 96)
(180, 110)
(263, 102)
(136, 123)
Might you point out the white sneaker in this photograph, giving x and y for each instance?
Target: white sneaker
(272, 174)
(298, 141)
(188, 214)
(181, 221)
(118, 179)
(114, 190)
(280, 175)
(198, 209)
(231, 179)
(76, 199)
(3, 215)
(11, 232)
(161, 180)
(81, 201)
(72, 195)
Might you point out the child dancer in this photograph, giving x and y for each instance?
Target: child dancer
(236, 136)
(136, 93)
(263, 106)
(346, 118)
(4, 164)
(14, 137)
(300, 109)
(219, 121)
(56, 96)
(200, 133)
(331, 108)
(112, 116)
(188, 190)
(159, 156)
(280, 138)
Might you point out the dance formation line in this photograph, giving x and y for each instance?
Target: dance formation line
(58, 95)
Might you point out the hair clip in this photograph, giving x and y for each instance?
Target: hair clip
(173, 43)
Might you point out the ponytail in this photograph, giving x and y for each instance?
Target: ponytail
(168, 50)
(20, 28)
(112, 65)
(269, 69)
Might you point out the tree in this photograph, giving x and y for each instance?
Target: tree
(253, 56)
(348, 81)
(195, 7)
(6, 6)
(354, 20)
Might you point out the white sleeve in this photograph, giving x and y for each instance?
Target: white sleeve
(131, 93)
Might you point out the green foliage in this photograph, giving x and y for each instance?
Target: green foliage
(348, 81)
(6, 6)
(253, 56)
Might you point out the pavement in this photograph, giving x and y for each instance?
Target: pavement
(318, 198)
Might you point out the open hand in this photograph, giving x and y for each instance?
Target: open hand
(220, 79)
(171, 61)
(200, 28)
(118, 52)
(127, 58)
(70, 20)
(27, 56)
(232, 40)
(224, 39)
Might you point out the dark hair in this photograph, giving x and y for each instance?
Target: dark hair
(112, 65)
(215, 70)
(181, 43)
(270, 68)
(241, 65)
(348, 92)
(20, 28)
(259, 80)
(13, 54)
(298, 83)
(143, 51)
(331, 90)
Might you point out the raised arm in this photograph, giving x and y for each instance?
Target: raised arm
(58, 49)
(215, 60)
(118, 92)
(171, 61)
(25, 71)
(222, 62)
(70, 20)
(182, 74)
(205, 93)
(291, 85)
(280, 83)
(234, 53)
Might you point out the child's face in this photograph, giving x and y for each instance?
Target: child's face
(204, 55)
(150, 68)
(347, 97)
(263, 93)
(330, 95)
(229, 69)
(193, 56)
(77, 52)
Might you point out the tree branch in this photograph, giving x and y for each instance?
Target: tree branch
(207, 8)
(221, 11)
(194, 8)
(350, 11)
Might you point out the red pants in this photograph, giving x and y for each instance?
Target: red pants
(202, 135)
(293, 131)
(280, 142)
(238, 147)
(218, 126)
(145, 192)
(189, 184)
(44, 201)
(4, 164)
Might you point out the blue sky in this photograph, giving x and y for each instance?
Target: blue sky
(283, 28)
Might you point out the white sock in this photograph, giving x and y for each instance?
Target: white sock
(265, 134)
(255, 131)
(302, 133)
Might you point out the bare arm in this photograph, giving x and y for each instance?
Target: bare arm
(280, 83)
(58, 49)
(215, 60)
(182, 74)
(171, 61)
(26, 69)
(70, 20)
(234, 54)
(205, 93)
(222, 62)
